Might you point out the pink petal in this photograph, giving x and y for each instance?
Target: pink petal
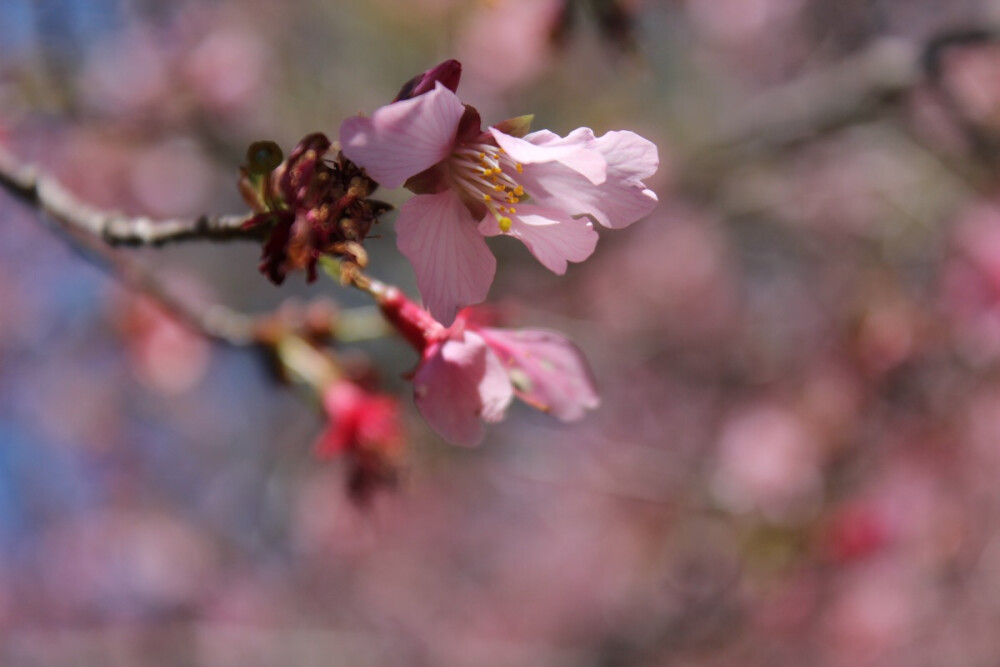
(553, 236)
(548, 371)
(461, 384)
(618, 202)
(575, 152)
(453, 264)
(404, 138)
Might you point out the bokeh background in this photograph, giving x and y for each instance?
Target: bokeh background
(796, 457)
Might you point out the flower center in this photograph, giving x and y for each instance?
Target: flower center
(486, 173)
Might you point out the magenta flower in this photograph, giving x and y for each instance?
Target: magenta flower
(542, 189)
(469, 374)
(363, 427)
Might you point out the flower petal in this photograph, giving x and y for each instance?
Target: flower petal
(576, 152)
(617, 202)
(460, 384)
(553, 236)
(548, 371)
(454, 266)
(403, 138)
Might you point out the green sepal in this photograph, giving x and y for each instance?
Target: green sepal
(516, 127)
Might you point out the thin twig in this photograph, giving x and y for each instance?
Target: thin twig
(28, 185)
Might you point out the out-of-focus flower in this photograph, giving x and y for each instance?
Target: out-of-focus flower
(166, 356)
(468, 374)
(510, 42)
(358, 420)
(539, 189)
(365, 427)
(171, 178)
(854, 532)
(226, 69)
(768, 461)
(312, 206)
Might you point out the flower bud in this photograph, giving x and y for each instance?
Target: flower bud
(448, 73)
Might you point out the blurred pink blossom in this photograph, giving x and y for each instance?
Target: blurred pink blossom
(359, 420)
(166, 356)
(128, 74)
(769, 461)
(873, 613)
(172, 178)
(226, 69)
(506, 43)
(364, 427)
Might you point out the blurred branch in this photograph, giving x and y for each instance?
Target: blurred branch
(846, 93)
(982, 145)
(853, 91)
(28, 185)
(214, 321)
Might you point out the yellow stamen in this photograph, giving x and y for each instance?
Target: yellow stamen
(504, 224)
(520, 169)
(519, 191)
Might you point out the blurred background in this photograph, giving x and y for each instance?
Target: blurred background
(795, 460)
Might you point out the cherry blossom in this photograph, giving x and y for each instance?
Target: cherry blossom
(364, 427)
(468, 374)
(540, 188)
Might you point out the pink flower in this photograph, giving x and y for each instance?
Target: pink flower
(540, 189)
(365, 428)
(469, 374)
(359, 420)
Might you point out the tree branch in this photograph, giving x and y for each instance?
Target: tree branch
(855, 90)
(28, 185)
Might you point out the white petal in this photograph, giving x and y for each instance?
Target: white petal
(553, 236)
(618, 202)
(576, 152)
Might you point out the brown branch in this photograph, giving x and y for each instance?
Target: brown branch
(31, 187)
(90, 232)
(848, 92)
(856, 90)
